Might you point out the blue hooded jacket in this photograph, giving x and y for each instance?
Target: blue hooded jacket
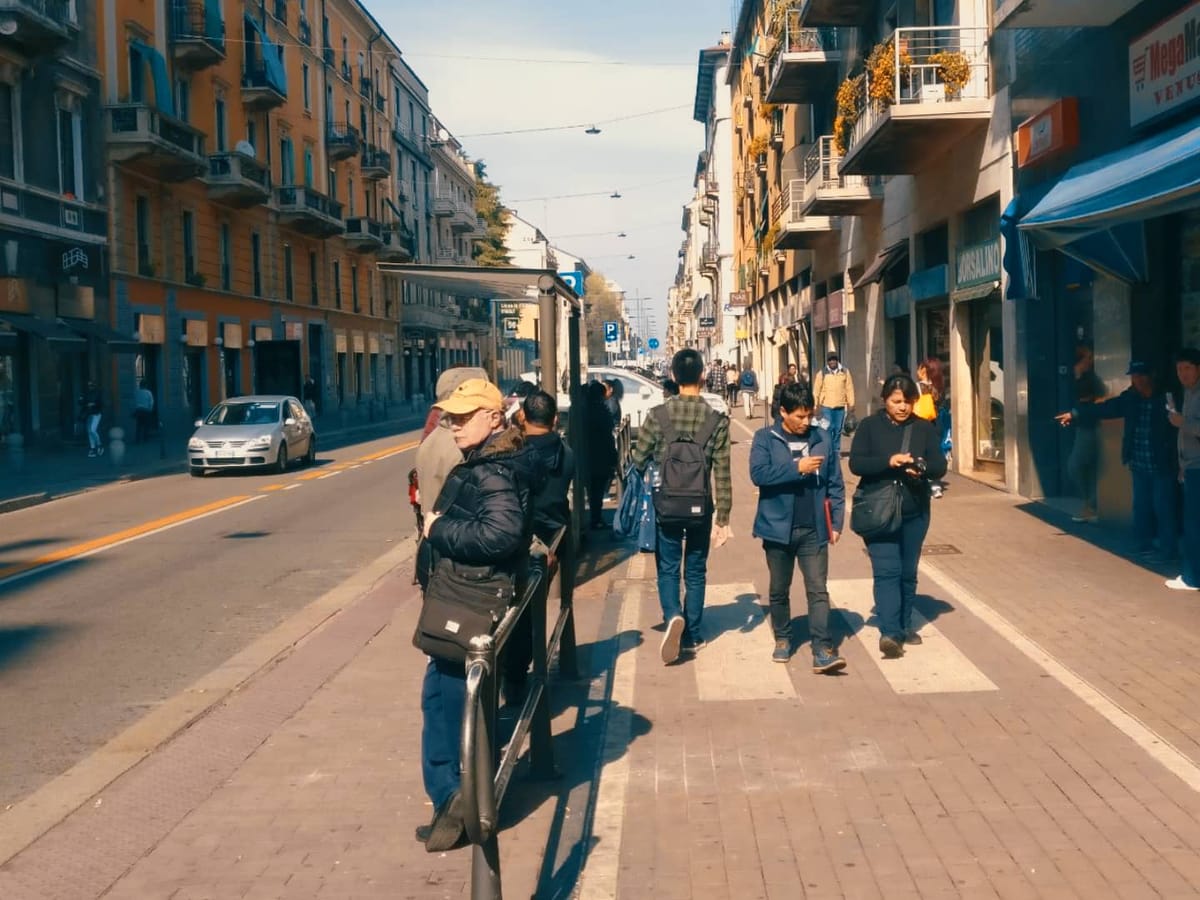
(773, 471)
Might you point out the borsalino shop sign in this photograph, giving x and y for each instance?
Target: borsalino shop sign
(1164, 66)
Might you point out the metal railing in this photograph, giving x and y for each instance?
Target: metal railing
(821, 170)
(484, 783)
(795, 38)
(234, 167)
(57, 11)
(142, 121)
(191, 20)
(789, 205)
(921, 56)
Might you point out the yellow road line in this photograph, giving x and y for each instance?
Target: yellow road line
(272, 487)
(380, 454)
(110, 540)
(309, 476)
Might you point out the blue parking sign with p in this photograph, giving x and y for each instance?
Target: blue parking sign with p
(611, 332)
(574, 280)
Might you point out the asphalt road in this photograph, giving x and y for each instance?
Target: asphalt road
(115, 600)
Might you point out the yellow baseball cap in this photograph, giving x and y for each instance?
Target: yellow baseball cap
(472, 394)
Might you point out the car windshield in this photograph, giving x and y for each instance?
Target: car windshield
(244, 414)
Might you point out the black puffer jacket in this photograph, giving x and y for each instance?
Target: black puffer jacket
(490, 520)
(551, 483)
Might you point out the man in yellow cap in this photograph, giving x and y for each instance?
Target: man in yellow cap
(484, 517)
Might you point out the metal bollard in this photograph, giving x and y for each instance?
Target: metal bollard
(116, 445)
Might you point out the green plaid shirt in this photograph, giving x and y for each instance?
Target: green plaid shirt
(687, 415)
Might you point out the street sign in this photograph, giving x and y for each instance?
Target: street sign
(574, 281)
(508, 308)
(510, 326)
(612, 332)
(652, 343)
(707, 322)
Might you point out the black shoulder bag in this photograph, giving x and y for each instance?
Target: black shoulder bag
(460, 602)
(877, 508)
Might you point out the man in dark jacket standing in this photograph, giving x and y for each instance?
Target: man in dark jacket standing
(794, 466)
(483, 518)
(1148, 449)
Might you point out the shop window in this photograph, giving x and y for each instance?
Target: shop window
(935, 246)
(981, 223)
(987, 375)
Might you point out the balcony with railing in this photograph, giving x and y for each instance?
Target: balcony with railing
(363, 234)
(412, 140)
(1093, 14)
(36, 27)
(53, 210)
(376, 163)
(304, 30)
(829, 193)
(795, 230)
(341, 141)
(309, 211)
(710, 256)
(143, 139)
(447, 256)
(804, 64)
(435, 318)
(399, 243)
(263, 86)
(197, 33)
(464, 219)
(236, 179)
(939, 95)
(444, 205)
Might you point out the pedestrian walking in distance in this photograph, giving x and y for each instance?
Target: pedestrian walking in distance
(894, 445)
(689, 442)
(93, 406)
(801, 510)
(748, 388)
(833, 391)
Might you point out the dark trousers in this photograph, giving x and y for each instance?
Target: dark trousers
(1155, 508)
(143, 420)
(598, 485)
(443, 698)
(812, 557)
(1191, 527)
(685, 548)
(894, 562)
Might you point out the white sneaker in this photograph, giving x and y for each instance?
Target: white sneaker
(1178, 584)
(669, 649)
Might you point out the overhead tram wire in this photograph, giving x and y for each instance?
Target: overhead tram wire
(576, 126)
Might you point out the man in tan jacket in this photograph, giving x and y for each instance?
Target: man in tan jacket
(833, 392)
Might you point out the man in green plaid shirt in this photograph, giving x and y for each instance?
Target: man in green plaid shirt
(687, 413)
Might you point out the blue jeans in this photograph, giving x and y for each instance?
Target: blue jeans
(443, 698)
(1154, 511)
(670, 555)
(894, 562)
(837, 418)
(1191, 527)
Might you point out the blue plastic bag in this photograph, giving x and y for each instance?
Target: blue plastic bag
(648, 525)
(627, 521)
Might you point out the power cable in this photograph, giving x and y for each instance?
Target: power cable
(575, 126)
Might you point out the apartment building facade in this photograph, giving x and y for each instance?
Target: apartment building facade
(874, 154)
(53, 227)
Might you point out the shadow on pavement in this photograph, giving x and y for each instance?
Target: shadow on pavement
(16, 642)
(602, 553)
(11, 588)
(30, 544)
(1111, 539)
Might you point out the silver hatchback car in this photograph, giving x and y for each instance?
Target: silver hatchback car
(255, 431)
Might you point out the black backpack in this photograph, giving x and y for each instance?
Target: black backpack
(683, 496)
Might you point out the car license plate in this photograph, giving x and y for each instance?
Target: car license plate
(224, 454)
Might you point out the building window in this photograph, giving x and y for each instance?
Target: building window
(337, 284)
(189, 246)
(219, 115)
(350, 194)
(362, 122)
(354, 287)
(287, 162)
(70, 153)
(226, 259)
(308, 166)
(307, 89)
(314, 293)
(333, 184)
(252, 136)
(345, 52)
(183, 100)
(10, 131)
(256, 262)
(137, 76)
(145, 266)
(289, 286)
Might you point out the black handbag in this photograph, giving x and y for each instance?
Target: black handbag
(850, 424)
(461, 602)
(877, 508)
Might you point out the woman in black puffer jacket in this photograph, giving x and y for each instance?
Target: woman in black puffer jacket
(483, 517)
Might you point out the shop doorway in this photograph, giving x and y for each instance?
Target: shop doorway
(987, 378)
(316, 367)
(72, 385)
(193, 382)
(340, 376)
(277, 367)
(358, 377)
(232, 372)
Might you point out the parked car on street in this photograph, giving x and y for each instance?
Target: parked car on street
(255, 431)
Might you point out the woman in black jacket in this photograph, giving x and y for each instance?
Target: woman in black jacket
(601, 448)
(483, 517)
(879, 453)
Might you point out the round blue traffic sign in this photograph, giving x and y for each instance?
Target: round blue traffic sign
(652, 343)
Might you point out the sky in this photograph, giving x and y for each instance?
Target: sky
(524, 64)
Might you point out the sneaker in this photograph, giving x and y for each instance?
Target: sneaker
(936, 491)
(1178, 584)
(912, 636)
(99, 451)
(783, 650)
(446, 831)
(669, 648)
(825, 661)
(92, 454)
(1087, 515)
(691, 644)
(890, 647)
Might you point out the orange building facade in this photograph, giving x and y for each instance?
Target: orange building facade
(252, 187)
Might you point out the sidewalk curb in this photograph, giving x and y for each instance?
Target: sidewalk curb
(22, 823)
(12, 504)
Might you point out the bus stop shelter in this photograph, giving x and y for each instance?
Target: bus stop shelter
(542, 286)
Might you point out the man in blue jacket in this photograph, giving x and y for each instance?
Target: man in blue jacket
(801, 511)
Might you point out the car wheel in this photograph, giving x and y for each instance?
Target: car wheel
(197, 472)
(281, 461)
(310, 458)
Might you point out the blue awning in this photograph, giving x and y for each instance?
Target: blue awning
(164, 100)
(1156, 177)
(272, 57)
